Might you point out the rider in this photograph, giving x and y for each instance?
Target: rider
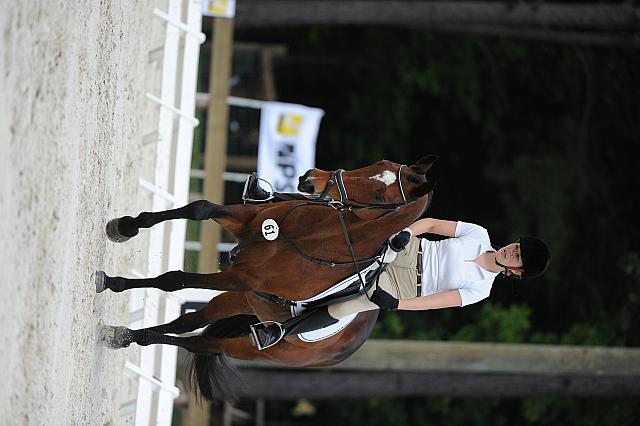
(457, 271)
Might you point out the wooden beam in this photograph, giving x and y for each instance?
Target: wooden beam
(407, 355)
(584, 24)
(196, 413)
(216, 138)
(434, 14)
(331, 384)
(214, 165)
(389, 368)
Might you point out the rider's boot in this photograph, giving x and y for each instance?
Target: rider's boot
(252, 192)
(268, 333)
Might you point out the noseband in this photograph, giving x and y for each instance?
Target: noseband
(335, 178)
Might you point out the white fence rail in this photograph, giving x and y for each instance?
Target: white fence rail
(155, 368)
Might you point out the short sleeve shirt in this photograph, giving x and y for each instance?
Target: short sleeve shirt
(448, 264)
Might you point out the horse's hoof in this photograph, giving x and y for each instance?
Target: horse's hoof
(113, 233)
(115, 337)
(123, 337)
(101, 281)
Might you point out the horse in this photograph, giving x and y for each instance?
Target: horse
(309, 256)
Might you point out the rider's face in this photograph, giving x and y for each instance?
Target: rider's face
(509, 256)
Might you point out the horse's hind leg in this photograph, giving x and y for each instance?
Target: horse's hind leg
(229, 280)
(235, 347)
(222, 306)
(284, 352)
(123, 337)
(231, 217)
(202, 344)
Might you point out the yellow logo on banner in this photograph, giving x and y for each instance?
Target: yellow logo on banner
(218, 7)
(289, 124)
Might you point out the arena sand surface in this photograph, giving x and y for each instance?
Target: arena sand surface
(70, 109)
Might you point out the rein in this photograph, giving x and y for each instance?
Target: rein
(340, 209)
(335, 178)
(346, 294)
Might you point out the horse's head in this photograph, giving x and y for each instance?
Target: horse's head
(382, 183)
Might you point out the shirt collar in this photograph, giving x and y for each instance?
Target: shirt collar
(484, 247)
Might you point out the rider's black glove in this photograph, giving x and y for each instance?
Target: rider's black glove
(384, 300)
(401, 240)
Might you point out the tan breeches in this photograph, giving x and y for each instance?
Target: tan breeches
(399, 280)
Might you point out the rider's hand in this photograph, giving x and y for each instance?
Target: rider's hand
(384, 300)
(401, 240)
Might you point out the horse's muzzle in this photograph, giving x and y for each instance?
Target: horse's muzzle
(304, 185)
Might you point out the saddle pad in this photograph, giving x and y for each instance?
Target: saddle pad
(323, 333)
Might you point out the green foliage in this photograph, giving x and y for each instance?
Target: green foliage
(497, 324)
(582, 411)
(389, 327)
(583, 334)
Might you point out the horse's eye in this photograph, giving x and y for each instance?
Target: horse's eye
(379, 198)
(414, 179)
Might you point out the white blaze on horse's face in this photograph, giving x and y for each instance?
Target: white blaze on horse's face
(387, 177)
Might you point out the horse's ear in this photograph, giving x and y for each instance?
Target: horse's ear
(423, 189)
(423, 165)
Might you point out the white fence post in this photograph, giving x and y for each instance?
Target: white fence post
(156, 369)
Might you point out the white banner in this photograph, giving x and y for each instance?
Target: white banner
(219, 8)
(287, 147)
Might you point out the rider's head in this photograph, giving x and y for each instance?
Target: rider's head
(526, 258)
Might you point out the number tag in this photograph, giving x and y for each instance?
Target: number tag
(270, 229)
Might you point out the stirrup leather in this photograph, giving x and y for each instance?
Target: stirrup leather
(245, 192)
(261, 336)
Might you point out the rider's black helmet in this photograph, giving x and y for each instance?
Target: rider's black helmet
(535, 256)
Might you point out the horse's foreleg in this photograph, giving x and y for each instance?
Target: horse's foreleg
(222, 306)
(231, 217)
(229, 280)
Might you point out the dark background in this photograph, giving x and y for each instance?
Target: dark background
(535, 139)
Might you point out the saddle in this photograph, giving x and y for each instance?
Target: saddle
(344, 290)
(351, 283)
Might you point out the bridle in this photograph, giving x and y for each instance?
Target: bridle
(335, 178)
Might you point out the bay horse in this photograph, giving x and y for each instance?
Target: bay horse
(309, 256)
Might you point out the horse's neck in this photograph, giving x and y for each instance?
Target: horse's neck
(391, 221)
(368, 234)
(316, 229)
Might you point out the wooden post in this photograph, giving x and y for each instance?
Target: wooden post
(215, 165)
(394, 368)
(196, 414)
(216, 139)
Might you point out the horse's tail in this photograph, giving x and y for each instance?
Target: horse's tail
(211, 376)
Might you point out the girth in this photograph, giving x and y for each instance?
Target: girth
(351, 292)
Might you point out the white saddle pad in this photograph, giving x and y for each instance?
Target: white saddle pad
(323, 333)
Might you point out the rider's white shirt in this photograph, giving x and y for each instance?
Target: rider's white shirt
(448, 264)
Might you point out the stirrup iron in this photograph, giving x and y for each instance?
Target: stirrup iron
(261, 338)
(245, 191)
